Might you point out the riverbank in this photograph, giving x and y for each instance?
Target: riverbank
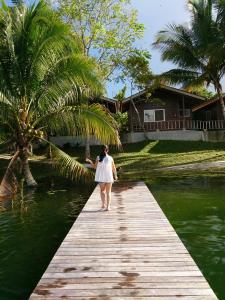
(153, 158)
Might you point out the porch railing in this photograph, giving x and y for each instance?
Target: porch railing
(181, 124)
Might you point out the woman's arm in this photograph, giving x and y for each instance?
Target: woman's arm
(114, 170)
(94, 165)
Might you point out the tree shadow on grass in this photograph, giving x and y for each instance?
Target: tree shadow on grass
(185, 146)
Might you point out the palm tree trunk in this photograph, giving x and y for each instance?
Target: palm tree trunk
(87, 148)
(49, 149)
(221, 101)
(9, 184)
(30, 181)
(49, 152)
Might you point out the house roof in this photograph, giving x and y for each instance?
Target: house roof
(103, 98)
(167, 88)
(164, 87)
(205, 104)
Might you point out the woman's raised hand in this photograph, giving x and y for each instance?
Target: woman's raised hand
(88, 160)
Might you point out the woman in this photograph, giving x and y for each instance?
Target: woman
(105, 168)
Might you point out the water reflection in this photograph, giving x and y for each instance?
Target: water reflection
(196, 209)
(19, 201)
(32, 226)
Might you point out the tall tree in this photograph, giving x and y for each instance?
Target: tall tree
(197, 48)
(136, 71)
(43, 78)
(107, 31)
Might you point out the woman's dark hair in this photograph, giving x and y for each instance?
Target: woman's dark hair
(104, 150)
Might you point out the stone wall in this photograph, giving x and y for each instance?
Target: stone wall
(72, 140)
(134, 137)
(176, 135)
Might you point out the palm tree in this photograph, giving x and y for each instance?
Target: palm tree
(44, 78)
(197, 48)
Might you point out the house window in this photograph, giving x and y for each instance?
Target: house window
(187, 113)
(154, 115)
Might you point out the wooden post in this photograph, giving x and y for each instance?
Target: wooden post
(183, 112)
(130, 116)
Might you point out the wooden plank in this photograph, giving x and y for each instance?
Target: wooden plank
(105, 297)
(113, 285)
(131, 252)
(150, 292)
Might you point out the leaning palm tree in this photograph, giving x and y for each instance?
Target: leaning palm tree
(197, 48)
(43, 80)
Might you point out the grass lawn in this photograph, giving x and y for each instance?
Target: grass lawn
(139, 161)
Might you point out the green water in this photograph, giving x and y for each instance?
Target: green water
(31, 229)
(196, 209)
(35, 223)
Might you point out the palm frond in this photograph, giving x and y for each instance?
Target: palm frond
(181, 76)
(68, 166)
(97, 121)
(7, 110)
(84, 120)
(176, 45)
(66, 81)
(197, 48)
(5, 144)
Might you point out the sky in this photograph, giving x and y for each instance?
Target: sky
(155, 15)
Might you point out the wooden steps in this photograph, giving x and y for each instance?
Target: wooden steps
(130, 252)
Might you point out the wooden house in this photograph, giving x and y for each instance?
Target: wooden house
(169, 108)
(208, 110)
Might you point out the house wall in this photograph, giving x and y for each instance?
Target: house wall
(171, 102)
(211, 112)
(176, 135)
(72, 141)
(134, 137)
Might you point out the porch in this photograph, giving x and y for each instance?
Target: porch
(178, 125)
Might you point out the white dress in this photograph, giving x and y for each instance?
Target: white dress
(104, 171)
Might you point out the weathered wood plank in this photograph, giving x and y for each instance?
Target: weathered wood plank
(116, 285)
(105, 297)
(131, 252)
(91, 274)
(150, 292)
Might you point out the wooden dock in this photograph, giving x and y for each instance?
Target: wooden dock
(129, 253)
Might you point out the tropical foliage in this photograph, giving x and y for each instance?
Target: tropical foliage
(200, 91)
(136, 71)
(44, 78)
(122, 121)
(120, 97)
(197, 48)
(107, 30)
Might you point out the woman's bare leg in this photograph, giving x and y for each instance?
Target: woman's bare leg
(102, 193)
(108, 195)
